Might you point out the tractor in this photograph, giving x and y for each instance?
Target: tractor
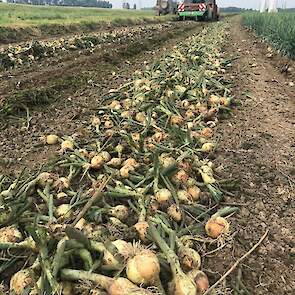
(200, 10)
(164, 7)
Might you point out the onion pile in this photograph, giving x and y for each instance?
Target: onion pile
(131, 209)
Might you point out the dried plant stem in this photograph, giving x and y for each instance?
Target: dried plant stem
(237, 263)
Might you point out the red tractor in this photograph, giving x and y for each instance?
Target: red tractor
(201, 10)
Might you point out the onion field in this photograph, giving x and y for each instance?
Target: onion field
(146, 158)
(277, 29)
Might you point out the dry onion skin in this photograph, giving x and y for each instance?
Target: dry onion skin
(10, 234)
(217, 226)
(21, 280)
(200, 279)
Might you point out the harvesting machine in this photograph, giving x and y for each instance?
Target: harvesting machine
(200, 10)
(166, 6)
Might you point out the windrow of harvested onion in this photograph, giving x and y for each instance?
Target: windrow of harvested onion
(134, 210)
(28, 53)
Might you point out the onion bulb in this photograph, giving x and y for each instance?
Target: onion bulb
(97, 162)
(61, 183)
(207, 132)
(194, 193)
(126, 114)
(214, 100)
(115, 105)
(143, 268)
(176, 120)
(124, 171)
(115, 162)
(119, 247)
(120, 212)
(167, 161)
(140, 117)
(163, 195)
(61, 196)
(95, 121)
(225, 101)
(208, 147)
(130, 162)
(10, 234)
(105, 155)
(122, 286)
(181, 177)
(174, 212)
(63, 211)
(20, 281)
(216, 226)
(183, 285)
(183, 196)
(190, 258)
(108, 124)
(141, 228)
(67, 145)
(44, 178)
(51, 139)
(200, 279)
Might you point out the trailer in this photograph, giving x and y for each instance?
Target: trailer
(200, 10)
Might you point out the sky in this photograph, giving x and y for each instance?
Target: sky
(222, 3)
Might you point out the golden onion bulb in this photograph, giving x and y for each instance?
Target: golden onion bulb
(207, 132)
(141, 228)
(105, 155)
(216, 226)
(190, 258)
(176, 120)
(97, 162)
(67, 145)
(44, 178)
(181, 177)
(21, 280)
(163, 195)
(200, 279)
(115, 162)
(121, 286)
(183, 196)
(130, 162)
(140, 117)
(183, 285)
(143, 268)
(64, 211)
(95, 121)
(108, 124)
(194, 193)
(174, 212)
(10, 234)
(120, 211)
(208, 147)
(52, 139)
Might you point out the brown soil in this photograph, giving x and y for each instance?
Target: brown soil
(257, 147)
(11, 34)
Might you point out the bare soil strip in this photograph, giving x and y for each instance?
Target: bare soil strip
(257, 147)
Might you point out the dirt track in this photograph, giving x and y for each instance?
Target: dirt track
(257, 147)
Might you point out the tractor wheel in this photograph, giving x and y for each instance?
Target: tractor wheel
(200, 18)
